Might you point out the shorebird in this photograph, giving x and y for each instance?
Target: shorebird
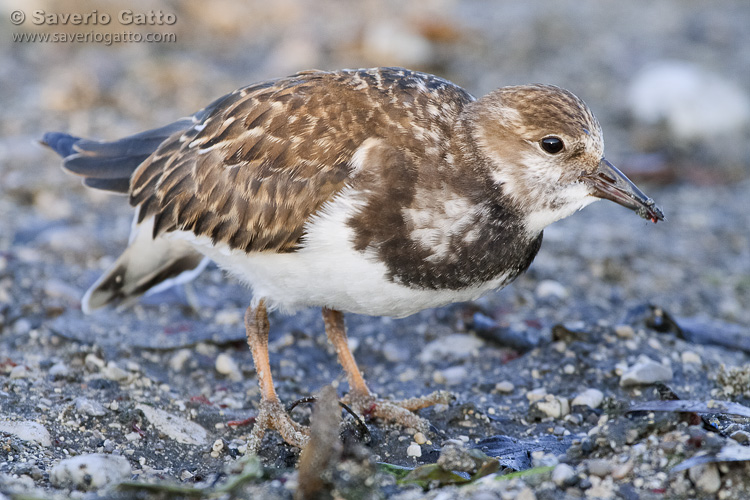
(375, 191)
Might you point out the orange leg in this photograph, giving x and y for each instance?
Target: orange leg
(336, 332)
(271, 414)
(360, 397)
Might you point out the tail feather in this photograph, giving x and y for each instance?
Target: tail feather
(148, 264)
(109, 165)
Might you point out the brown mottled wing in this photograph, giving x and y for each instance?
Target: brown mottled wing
(265, 158)
(251, 173)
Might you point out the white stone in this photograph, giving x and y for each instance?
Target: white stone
(177, 428)
(218, 446)
(599, 467)
(94, 362)
(178, 360)
(226, 365)
(553, 406)
(590, 397)
(694, 102)
(88, 407)
(91, 471)
(414, 450)
(19, 371)
(562, 473)
(624, 331)
(505, 387)
(113, 372)
(26, 430)
(453, 375)
(689, 357)
(526, 494)
(705, 477)
(536, 394)
(228, 317)
(456, 346)
(551, 289)
(646, 372)
(59, 370)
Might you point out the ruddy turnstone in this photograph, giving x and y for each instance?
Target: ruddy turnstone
(376, 191)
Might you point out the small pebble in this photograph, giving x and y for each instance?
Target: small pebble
(59, 371)
(91, 471)
(705, 477)
(228, 317)
(540, 458)
(646, 372)
(177, 428)
(453, 375)
(22, 326)
(526, 494)
(178, 360)
(552, 406)
(132, 436)
(19, 371)
(536, 394)
(408, 375)
(599, 467)
(420, 438)
(569, 369)
(27, 431)
(624, 331)
(562, 474)
(93, 362)
(414, 450)
(132, 366)
(88, 407)
(456, 347)
(227, 366)
(113, 372)
(505, 387)
(217, 448)
(590, 397)
(688, 357)
(741, 437)
(622, 471)
(551, 289)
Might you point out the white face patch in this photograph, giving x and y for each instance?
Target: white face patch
(571, 199)
(540, 189)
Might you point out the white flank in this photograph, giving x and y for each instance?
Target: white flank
(329, 272)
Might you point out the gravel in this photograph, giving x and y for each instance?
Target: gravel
(156, 399)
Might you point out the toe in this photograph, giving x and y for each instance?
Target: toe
(272, 416)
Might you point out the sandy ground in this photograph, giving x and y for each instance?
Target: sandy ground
(543, 372)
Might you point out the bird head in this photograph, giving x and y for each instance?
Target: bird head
(546, 155)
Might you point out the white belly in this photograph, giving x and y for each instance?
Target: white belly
(328, 272)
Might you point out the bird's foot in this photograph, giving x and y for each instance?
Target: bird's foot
(273, 416)
(399, 412)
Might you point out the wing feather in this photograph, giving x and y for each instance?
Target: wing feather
(264, 159)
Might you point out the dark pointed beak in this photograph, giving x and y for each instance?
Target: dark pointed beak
(611, 184)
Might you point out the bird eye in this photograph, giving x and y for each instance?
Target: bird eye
(552, 145)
